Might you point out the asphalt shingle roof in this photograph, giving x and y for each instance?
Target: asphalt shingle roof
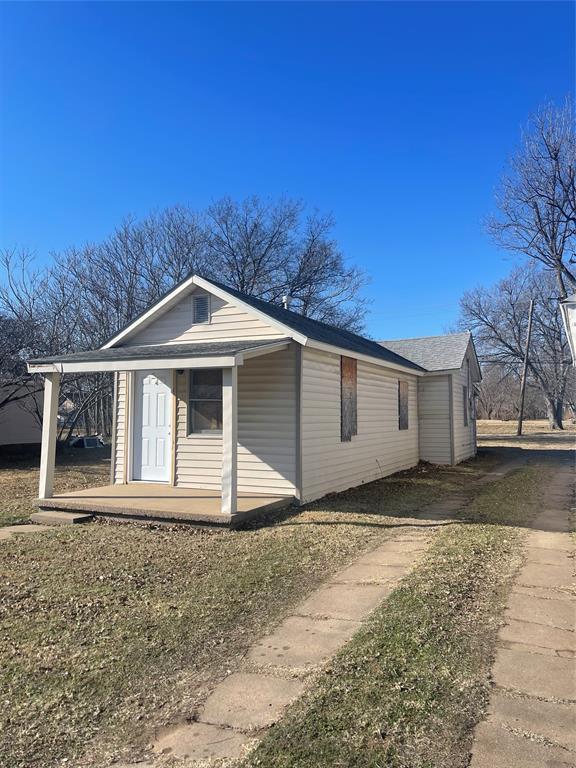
(434, 353)
(154, 351)
(322, 332)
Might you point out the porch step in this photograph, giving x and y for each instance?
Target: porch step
(55, 517)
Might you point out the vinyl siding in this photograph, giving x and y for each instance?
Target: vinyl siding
(379, 448)
(434, 419)
(464, 437)
(120, 441)
(227, 322)
(266, 431)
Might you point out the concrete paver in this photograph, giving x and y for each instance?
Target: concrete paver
(200, 741)
(389, 557)
(345, 601)
(302, 642)
(546, 556)
(554, 613)
(8, 531)
(541, 635)
(550, 540)
(551, 677)
(365, 573)
(496, 747)
(546, 719)
(536, 575)
(250, 701)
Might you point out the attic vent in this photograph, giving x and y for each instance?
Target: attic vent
(201, 309)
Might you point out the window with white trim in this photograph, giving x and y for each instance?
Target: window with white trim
(201, 308)
(205, 401)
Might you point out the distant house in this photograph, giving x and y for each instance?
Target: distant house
(568, 307)
(20, 420)
(226, 405)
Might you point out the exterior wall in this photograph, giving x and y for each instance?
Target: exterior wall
(379, 448)
(18, 424)
(435, 434)
(464, 437)
(227, 322)
(121, 427)
(266, 431)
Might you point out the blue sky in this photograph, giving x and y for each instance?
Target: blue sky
(396, 117)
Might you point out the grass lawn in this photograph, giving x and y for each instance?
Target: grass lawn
(529, 427)
(19, 479)
(109, 629)
(409, 688)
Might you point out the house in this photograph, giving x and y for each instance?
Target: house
(568, 308)
(20, 417)
(446, 394)
(226, 405)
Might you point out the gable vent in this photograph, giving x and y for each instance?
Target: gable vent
(201, 309)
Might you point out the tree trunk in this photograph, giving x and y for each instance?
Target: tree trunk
(555, 408)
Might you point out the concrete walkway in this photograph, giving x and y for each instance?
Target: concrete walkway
(531, 720)
(276, 670)
(8, 531)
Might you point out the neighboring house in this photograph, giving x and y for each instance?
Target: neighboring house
(568, 307)
(19, 420)
(219, 395)
(446, 394)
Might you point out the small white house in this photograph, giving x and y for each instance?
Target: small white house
(226, 405)
(19, 419)
(568, 308)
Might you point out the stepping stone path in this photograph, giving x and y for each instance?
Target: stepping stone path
(277, 669)
(8, 531)
(531, 720)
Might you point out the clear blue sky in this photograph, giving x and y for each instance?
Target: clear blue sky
(397, 117)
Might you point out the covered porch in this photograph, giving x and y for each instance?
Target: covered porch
(174, 499)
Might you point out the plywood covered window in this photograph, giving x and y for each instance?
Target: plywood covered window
(205, 401)
(402, 405)
(348, 399)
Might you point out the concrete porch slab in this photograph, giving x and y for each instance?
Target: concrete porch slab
(159, 501)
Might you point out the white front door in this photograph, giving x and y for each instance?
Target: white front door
(151, 433)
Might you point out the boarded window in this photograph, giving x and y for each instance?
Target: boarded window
(205, 401)
(348, 399)
(402, 405)
(201, 308)
(465, 405)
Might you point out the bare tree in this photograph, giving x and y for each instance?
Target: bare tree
(537, 196)
(499, 315)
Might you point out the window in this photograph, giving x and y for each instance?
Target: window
(205, 401)
(465, 405)
(402, 405)
(348, 399)
(201, 308)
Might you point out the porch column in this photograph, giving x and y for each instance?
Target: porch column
(49, 430)
(229, 440)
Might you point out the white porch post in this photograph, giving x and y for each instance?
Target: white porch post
(229, 440)
(49, 429)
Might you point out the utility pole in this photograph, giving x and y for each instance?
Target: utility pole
(525, 368)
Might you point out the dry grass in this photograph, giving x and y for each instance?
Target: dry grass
(409, 688)
(109, 629)
(19, 479)
(530, 427)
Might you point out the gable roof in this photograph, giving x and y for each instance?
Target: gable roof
(300, 328)
(435, 353)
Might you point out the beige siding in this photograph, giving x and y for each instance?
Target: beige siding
(266, 431)
(121, 428)
(434, 419)
(227, 322)
(19, 424)
(379, 448)
(464, 437)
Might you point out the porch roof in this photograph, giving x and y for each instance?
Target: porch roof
(218, 354)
